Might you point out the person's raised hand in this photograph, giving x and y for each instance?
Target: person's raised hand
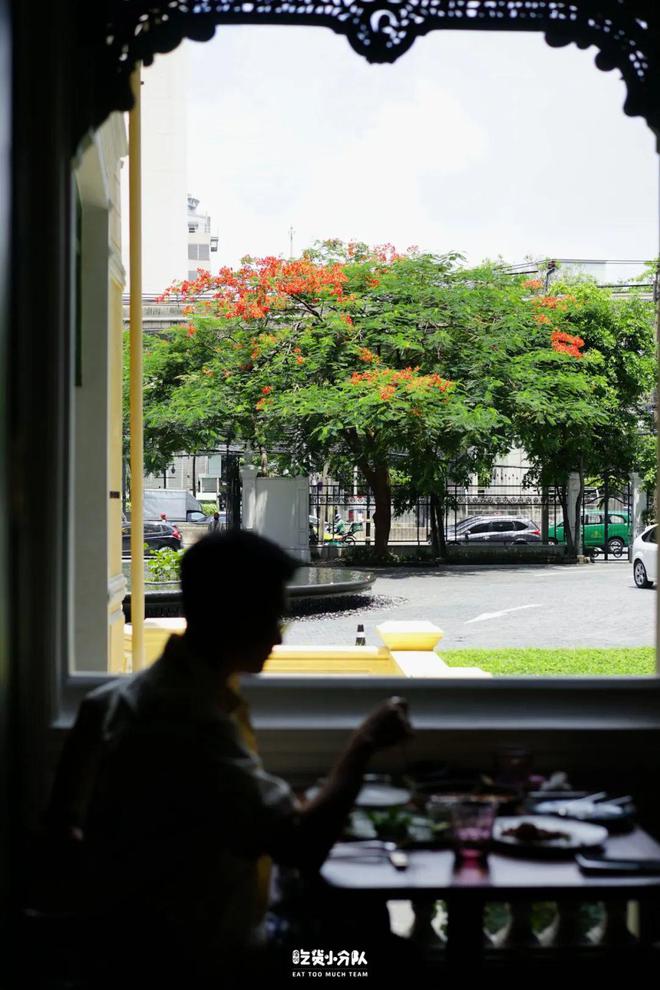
(386, 726)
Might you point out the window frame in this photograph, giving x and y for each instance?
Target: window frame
(302, 704)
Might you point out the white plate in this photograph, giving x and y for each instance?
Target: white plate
(577, 835)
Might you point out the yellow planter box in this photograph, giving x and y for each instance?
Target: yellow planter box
(375, 661)
(420, 635)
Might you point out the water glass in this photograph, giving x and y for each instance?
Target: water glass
(472, 829)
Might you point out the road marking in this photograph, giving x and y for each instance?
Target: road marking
(496, 615)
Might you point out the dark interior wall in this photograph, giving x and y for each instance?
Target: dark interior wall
(5, 673)
(38, 421)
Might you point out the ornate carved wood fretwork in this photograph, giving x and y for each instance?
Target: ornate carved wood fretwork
(114, 36)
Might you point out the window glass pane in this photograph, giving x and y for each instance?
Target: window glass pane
(215, 465)
(492, 495)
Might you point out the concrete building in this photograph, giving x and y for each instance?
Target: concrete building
(164, 180)
(201, 242)
(177, 239)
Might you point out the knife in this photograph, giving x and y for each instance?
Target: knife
(640, 867)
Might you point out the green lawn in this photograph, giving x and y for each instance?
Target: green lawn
(614, 662)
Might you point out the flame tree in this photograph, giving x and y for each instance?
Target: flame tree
(357, 356)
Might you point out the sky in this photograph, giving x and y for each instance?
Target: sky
(490, 144)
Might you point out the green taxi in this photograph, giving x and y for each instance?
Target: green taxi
(618, 530)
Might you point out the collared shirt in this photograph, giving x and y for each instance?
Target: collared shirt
(179, 809)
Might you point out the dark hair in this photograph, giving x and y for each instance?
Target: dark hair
(236, 578)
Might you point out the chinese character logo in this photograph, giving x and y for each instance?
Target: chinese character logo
(345, 960)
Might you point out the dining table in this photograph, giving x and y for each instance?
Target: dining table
(510, 876)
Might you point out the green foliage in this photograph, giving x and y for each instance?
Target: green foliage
(410, 365)
(647, 461)
(165, 565)
(587, 415)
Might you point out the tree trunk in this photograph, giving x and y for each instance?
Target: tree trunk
(568, 525)
(435, 540)
(378, 479)
(438, 526)
(578, 512)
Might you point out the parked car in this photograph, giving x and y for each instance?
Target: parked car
(618, 530)
(156, 536)
(496, 529)
(645, 557)
(453, 529)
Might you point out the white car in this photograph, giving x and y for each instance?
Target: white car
(645, 557)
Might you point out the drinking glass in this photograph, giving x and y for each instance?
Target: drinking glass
(472, 829)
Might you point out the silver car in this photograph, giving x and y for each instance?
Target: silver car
(495, 529)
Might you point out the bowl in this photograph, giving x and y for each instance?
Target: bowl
(420, 635)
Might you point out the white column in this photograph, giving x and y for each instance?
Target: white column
(639, 505)
(572, 493)
(249, 496)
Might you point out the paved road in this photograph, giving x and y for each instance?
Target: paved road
(589, 605)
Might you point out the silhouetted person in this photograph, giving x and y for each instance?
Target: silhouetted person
(174, 808)
(214, 524)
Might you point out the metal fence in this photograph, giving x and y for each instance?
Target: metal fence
(339, 515)
(345, 515)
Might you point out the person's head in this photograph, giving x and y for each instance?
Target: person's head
(234, 595)
(163, 516)
(216, 515)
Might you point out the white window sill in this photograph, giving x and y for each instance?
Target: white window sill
(334, 704)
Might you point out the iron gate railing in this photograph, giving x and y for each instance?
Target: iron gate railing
(345, 515)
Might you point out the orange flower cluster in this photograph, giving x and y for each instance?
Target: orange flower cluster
(559, 303)
(387, 379)
(260, 285)
(548, 302)
(532, 283)
(266, 390)
(542, 318)
(442, 384)
(566, 343)
(367, 356)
